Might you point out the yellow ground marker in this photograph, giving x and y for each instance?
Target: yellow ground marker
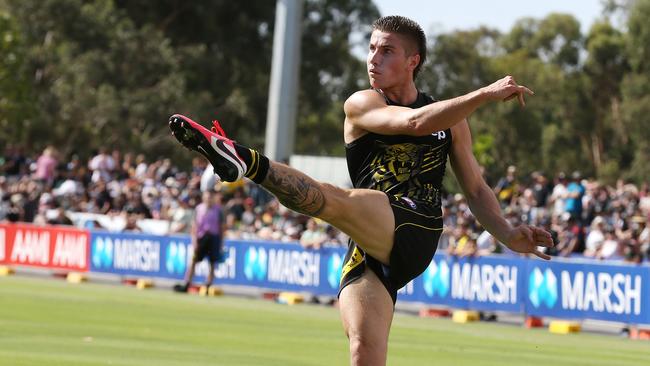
(563, 327)
(144, 283)
(290, 298)
(6, 271)
(210, 291)
(465, 316)
(76, 277)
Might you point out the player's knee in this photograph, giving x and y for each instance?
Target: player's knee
(336, 199)
(365, 351)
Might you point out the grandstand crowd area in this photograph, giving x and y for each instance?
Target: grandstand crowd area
(124, 192)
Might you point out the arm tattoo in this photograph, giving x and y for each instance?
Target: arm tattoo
(296, 191)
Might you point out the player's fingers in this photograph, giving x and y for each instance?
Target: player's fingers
(543, 238)
(529, 233)
(541, 255)
(526, 90)
(511, 96)
(522, 102)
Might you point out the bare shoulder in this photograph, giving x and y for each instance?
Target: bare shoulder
(355, 108)
(361, 102)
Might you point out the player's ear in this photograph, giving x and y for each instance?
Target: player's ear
(414, 61)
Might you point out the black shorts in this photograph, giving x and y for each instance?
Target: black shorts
(417, 230)
(209, 245)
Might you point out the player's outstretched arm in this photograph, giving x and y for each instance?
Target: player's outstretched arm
(483, 203)
(367, 110)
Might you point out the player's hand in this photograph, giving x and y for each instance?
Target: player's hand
(527, 239)
(506, 89)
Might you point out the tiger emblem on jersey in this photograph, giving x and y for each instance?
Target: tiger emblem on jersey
(396, 165)
(402, 168)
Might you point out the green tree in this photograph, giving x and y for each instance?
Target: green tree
(605, 67)
(329, 72)
(109, 73)
(459, 62)
(98, 80)
(224, 53)
(636, 90)
(16, 105)
(558, 40)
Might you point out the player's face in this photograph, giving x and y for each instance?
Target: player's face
(388, 63)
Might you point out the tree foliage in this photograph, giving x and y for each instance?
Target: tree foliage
(109, 73)
(590, 109)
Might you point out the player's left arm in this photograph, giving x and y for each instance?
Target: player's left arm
(483, 203)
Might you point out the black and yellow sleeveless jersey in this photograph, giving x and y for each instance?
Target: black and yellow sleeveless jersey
(404, 166)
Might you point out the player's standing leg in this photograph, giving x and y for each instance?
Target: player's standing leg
(366, 312)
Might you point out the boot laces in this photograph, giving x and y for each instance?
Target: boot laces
(216, 128)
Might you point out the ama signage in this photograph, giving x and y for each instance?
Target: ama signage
(48, 247)
(588, 291)
(3, 244)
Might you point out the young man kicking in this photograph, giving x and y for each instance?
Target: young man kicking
(397, 144)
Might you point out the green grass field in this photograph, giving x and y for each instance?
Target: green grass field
(46, 321)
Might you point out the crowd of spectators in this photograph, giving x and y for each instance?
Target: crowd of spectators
(585, 217)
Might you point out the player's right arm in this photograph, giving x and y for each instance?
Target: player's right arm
(367, 110)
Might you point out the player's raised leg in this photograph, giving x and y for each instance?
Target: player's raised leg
(365, 215)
